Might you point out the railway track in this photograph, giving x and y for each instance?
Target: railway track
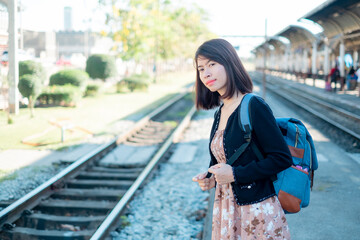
(86, 199)
(344, 118)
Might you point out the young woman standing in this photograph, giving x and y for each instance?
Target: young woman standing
(246, 206)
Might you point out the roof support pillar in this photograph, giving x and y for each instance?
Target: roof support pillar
(326, 58)
(305, 61)
(313, 58)
(342, 56)
(13, 76)
(355, 59)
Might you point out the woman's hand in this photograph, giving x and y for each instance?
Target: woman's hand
(223, 173)
(204, 183)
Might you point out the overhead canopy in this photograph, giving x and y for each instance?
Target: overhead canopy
(298, 36)
(277, 43)
(260, 49)
(337, 17)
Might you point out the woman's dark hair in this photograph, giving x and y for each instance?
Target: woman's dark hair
(352, 71)
(238, 80)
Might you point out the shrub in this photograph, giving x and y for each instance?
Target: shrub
(92, 89)
(67, 95)
(74, 77)
(30, 87)
(101, 66)
(32, 68)
(134, 82)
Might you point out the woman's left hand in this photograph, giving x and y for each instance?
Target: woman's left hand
(223, 173)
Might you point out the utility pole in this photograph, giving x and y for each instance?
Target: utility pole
(264, 69)
(13, 75)
(156, 32)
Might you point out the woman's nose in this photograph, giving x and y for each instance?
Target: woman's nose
(207, 74)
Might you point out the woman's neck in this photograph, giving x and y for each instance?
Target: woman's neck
(234, 100)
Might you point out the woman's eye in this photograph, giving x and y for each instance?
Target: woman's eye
(201, 69)
(211, 64)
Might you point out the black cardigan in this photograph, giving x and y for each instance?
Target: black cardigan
(253, 177)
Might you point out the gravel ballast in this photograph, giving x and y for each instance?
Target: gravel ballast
(171, 206)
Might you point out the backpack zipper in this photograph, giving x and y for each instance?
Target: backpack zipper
(297, 135)
(310, 155)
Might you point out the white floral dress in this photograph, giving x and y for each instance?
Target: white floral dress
(263, 220)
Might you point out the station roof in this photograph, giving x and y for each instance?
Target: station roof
(277, 43)
(298, 35)
(337, 17)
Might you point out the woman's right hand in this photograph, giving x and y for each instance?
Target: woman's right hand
(204, 183)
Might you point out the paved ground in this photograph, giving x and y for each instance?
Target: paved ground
(334, 210)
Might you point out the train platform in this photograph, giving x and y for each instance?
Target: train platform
(349, 97)
(333, 212)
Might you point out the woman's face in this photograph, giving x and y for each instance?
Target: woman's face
(212, 75)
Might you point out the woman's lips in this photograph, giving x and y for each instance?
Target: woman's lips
(210, 82)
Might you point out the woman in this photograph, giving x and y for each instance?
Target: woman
(351, 79)
(246, 206)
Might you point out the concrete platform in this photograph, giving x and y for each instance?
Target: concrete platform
(334, 210)
(14, 159)
(183, 153)
(128, 156)
(77, 153)
(345, 97)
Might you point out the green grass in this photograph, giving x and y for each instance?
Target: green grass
(95, 114)
(7, 175)
(172, 124)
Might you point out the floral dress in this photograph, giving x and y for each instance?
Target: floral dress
(263, 220)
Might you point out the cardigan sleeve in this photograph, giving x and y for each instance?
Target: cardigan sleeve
(276, 153)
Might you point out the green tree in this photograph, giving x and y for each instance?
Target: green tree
(30, 87)
(155, 29)
(74, 77)
(101, 66)
(32, 68)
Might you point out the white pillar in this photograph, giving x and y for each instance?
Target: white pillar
(342, 62)
(13, 76)
(305, 61)
(297, 62)
(355, 59)
(313, 58)
(287, 59)
(326, 59)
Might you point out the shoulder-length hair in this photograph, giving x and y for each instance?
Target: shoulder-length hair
(238, 80)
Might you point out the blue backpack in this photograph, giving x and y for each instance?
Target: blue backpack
(292, 185)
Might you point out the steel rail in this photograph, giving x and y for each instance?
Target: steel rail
(317, 114)
(114, 215)
(145, 119)
(15, 210)
(325, 104)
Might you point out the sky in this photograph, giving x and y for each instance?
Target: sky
(226, 17)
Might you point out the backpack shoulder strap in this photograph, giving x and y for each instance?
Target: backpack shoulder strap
(244, 121)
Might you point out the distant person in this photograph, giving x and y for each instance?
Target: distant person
(351, 79)
(358, 80)
(334, 76)
(246, 205)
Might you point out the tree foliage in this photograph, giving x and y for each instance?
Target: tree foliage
(74, 77)
(32, 68)
(155, 28)
(30, 87)
(101, 66)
